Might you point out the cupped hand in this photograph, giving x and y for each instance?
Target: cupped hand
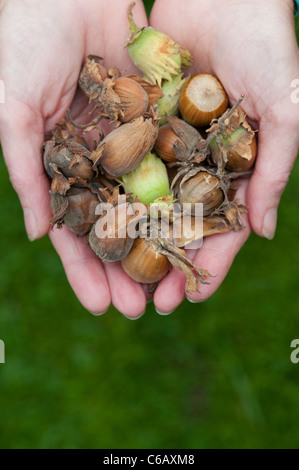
(43, 46)
(250, 45)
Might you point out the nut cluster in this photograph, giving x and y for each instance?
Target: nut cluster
(174, 142)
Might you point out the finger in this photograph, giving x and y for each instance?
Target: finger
(186, 32)
(170, 292)
(110, 42)
(84, 270)
(21, 139)
(216, 256)
(218, 252)
(127, 295)
(277, 150)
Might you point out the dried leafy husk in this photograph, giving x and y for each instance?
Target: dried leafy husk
(104, 182)
(177, 257)
(92, 75)
(233, 212)
(77, 210)
(70, 158)
(65, 131)
(125, 147)
(60, 184)
(211, 226)
(232, 141)
(66, 158)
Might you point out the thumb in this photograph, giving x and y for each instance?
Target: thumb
(21, 140)
(277, 149)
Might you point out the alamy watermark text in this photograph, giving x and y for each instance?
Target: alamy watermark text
(2, 352)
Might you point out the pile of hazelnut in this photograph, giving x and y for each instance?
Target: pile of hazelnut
(175, 142)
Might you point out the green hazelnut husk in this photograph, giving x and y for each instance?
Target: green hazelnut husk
(149, 181)
(154, 53)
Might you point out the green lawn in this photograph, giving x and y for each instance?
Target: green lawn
(214, 374)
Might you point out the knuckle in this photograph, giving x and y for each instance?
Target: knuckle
(272, 183)
(279, 183)
(17, 181)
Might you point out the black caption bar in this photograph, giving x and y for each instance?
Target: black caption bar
(139, 457)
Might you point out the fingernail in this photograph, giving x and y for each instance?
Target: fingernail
(98, 314)
(163, 313)
(30, 224)
(134, 318)
(195, 301)
(269, 225)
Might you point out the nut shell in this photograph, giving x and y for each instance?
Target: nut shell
(125, 147)
(133, 99)
(144, 264)
(166, 142)
(202, 188)
(202, 99)
(177, 140)
(109, 249)
(112, 243)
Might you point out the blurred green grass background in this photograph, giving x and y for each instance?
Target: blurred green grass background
(214, 374)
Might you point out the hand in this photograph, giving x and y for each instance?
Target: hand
(250, 45)
(43, 45)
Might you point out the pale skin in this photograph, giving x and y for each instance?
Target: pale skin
(250, 45)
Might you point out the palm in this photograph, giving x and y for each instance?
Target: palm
(245, 46)
(40, 86)
(46, 81)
